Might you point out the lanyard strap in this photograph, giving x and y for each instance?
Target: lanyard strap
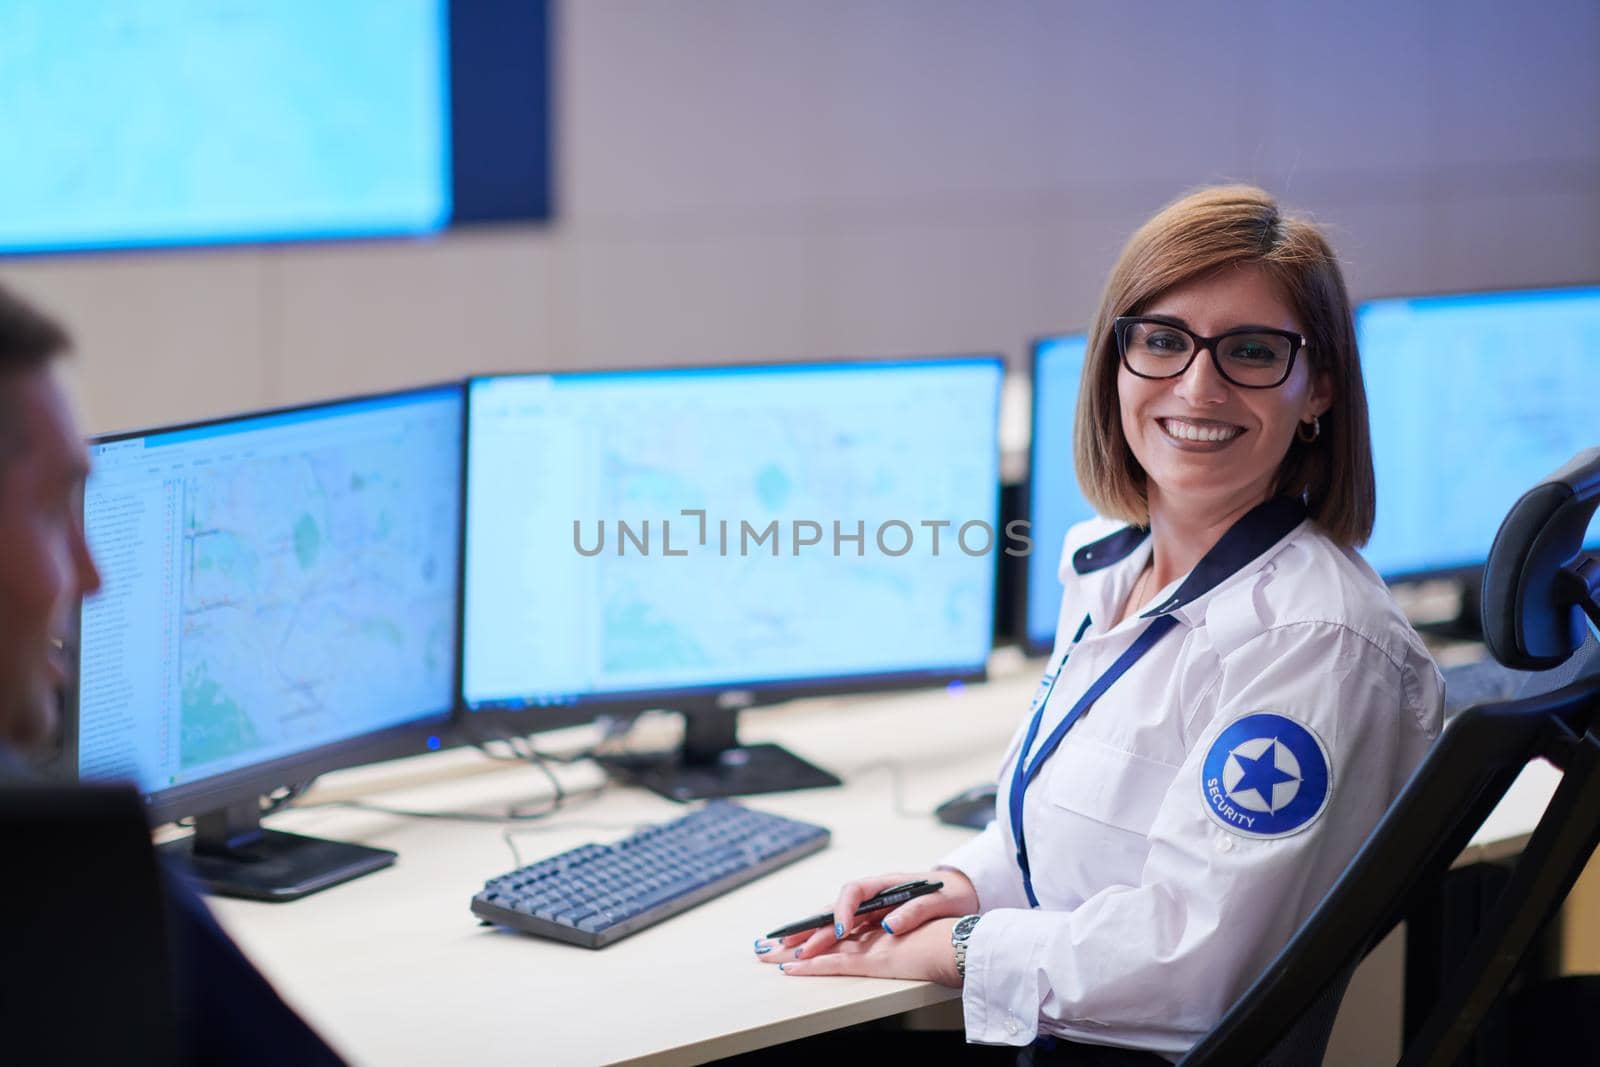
(1258, 530)
(1024, 773)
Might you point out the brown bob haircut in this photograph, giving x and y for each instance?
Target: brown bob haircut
(1192, 237)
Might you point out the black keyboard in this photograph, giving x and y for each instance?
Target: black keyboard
(593, 895)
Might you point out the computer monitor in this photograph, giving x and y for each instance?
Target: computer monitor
(705, 539)
(197, 123)
(280, 599)
(1054, 501)
(1473, 398)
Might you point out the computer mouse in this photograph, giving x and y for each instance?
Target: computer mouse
(972, 808)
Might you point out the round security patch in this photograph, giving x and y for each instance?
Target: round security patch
(1266, 776)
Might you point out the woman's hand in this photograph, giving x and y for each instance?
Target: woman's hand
(956, 899)
(923, 954)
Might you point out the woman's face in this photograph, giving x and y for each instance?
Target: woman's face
(1211, 448)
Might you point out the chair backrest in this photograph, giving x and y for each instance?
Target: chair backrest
(1538, 584)
(85, 972)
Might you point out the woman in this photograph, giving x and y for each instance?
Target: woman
(1234, 698)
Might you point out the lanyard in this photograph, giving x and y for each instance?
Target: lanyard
(1258, 530)
(1025, 772)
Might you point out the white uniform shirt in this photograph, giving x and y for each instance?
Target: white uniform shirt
(1158, 904)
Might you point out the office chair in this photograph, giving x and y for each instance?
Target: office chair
(106, 960)
(1538, 585)
(85, 973)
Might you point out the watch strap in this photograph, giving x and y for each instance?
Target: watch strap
(960, 936)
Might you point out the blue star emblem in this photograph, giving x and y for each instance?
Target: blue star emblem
(1265, 776)
(1261, 774)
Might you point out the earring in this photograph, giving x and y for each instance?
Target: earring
(1316, 430)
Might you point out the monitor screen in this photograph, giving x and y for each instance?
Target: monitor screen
(1473, 398)
(185, 122)
(1054, 501)
(188, 121)
(273, 585)
(638, 534)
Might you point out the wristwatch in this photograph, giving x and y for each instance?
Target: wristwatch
(958, 941)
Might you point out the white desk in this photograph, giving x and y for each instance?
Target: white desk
(394, 969)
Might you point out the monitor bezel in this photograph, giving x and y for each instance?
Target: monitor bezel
(1024, 602)
(491, 720)
(427, 732)
(1467, 572)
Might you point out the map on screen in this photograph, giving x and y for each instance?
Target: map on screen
(271, 586)
(670, 530)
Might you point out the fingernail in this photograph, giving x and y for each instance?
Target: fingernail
(797, 953)
(886, 927)
(763, 950)
(780, 967)
(838, 929)
(759, 940)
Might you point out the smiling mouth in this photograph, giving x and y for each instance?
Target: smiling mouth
(1199, 431)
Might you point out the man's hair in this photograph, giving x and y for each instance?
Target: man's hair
(1195, 236)
(29, 340)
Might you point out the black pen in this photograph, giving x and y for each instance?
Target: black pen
(889, 898)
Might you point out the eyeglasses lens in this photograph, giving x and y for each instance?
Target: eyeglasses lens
(1250, 359)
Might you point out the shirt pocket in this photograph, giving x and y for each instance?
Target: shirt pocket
(1119, 789)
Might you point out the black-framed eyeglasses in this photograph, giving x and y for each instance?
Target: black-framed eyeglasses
(1256, 357)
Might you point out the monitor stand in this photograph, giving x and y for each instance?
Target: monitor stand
(230, 855)
(711, 763)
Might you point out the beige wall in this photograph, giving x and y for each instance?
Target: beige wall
(752, 178)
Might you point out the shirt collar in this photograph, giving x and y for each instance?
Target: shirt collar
(1248, 540)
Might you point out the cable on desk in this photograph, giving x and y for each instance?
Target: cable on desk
(613, 728)
(521, 751)
(511, 814)
(510, 835)
(558, 791)
(557, 800)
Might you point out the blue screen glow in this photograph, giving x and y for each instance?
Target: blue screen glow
(273, 584)
(198, 121)
(1054, 502)
(759, 586)
(1473, 399)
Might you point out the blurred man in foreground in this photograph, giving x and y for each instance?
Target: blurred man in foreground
(226, 1012)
